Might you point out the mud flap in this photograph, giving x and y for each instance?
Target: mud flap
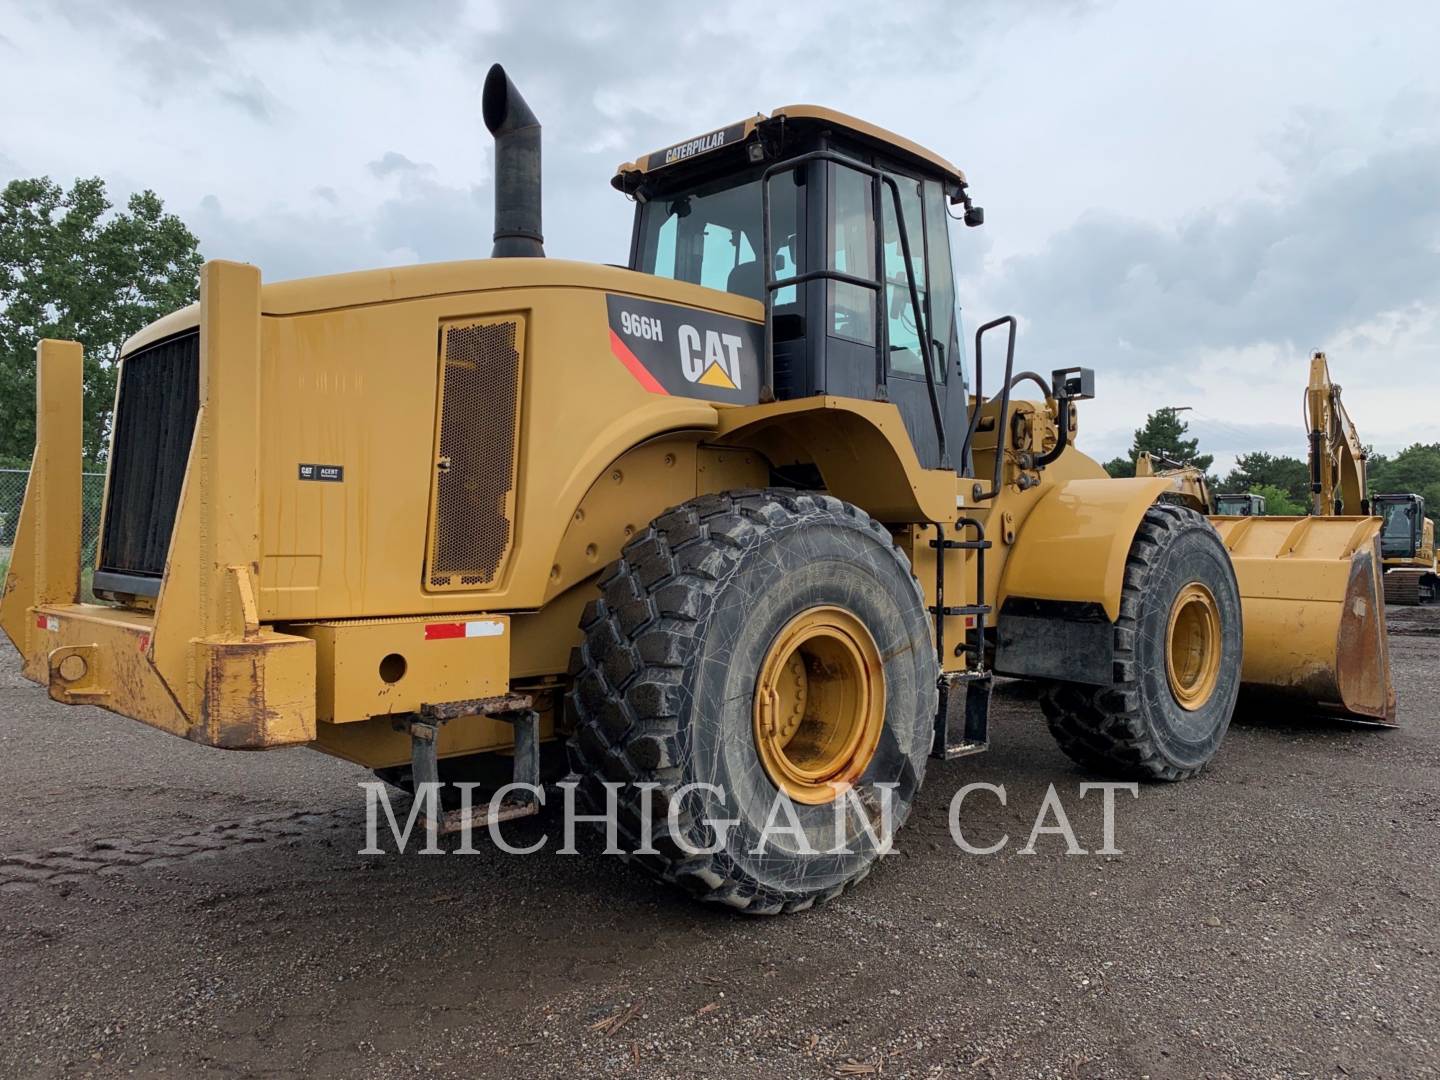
(1313, 613)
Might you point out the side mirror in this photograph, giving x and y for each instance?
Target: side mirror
(1074, 384)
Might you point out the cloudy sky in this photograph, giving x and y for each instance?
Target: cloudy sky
(1187, 197)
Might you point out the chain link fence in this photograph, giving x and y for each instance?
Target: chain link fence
(12, 495)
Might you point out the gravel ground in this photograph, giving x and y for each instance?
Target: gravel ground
(168, 909)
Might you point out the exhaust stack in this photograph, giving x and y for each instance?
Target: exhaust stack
(517, 168)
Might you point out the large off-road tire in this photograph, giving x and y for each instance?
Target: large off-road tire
(701, 608)
(1177, 659)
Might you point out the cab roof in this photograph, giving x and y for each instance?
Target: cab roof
(811, 117)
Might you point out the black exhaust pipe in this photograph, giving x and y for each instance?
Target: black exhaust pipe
(517, 168)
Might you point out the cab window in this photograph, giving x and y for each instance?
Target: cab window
(711, 236)
(1398, 529)
(852, 250)
(906, 357)
(941, 276)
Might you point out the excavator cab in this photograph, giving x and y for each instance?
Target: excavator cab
(1404, 517)
(1407, 547)
(841, 230)
(1240, 505)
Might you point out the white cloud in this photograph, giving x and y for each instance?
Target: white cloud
(1185, 207)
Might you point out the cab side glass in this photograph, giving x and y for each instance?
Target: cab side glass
(852, 250)
(941, 278)
(906, 357)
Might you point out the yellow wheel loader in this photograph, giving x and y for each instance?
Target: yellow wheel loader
(736, 523)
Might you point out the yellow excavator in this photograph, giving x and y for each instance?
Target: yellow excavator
(1339, 484)
(737, 524)
(1407, 543)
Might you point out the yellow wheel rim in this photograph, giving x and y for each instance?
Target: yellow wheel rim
(819, 704)
(1192, 654)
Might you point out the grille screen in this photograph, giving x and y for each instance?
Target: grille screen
(154, 423)
(473, 503)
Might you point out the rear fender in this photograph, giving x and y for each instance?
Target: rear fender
(861, 449)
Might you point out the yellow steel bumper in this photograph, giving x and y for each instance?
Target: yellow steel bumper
(200, 666)
(255, 693)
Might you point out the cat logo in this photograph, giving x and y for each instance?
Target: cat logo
(687, 351)
(716, 363)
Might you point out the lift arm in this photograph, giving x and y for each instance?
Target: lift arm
(1338, 482)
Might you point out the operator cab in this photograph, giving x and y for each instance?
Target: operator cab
(1401, 535)
(797, 210)
(1240, 505)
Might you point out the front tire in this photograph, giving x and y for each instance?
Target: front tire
(772, 620)
(1177, 659)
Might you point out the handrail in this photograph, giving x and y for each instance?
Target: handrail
(1002, 425)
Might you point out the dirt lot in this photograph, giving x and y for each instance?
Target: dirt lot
(171, 909)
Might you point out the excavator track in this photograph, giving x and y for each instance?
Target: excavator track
(1410, 587)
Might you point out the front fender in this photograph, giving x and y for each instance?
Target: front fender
(1072, 547)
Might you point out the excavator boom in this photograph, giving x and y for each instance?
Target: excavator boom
(1338, 481)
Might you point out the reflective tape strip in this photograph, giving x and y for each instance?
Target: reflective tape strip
(474, 628)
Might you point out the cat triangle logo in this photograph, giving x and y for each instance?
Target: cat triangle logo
(715, 376)
(712, 359)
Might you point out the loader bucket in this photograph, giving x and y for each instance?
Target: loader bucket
(1313, 613)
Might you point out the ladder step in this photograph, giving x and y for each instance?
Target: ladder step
(963, 545)
(962, 749)
(971, 675)
(454, 821)
(962, 723)
(964, 609)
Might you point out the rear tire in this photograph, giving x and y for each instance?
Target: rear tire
(688, 623)
(1158, 721)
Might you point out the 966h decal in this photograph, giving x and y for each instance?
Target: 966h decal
(672, 349)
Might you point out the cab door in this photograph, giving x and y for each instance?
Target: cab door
(921, 208)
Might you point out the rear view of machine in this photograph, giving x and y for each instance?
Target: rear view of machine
(737, 525)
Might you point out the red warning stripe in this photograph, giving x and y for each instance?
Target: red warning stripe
(630, 360)
(435, 631)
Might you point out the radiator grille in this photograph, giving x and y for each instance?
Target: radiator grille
(154, 423)
(473, 501)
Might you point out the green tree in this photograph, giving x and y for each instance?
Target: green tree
(1277, 499)
(1415, 469)
(72, 267)
(1163, 435)
(1288, 474)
